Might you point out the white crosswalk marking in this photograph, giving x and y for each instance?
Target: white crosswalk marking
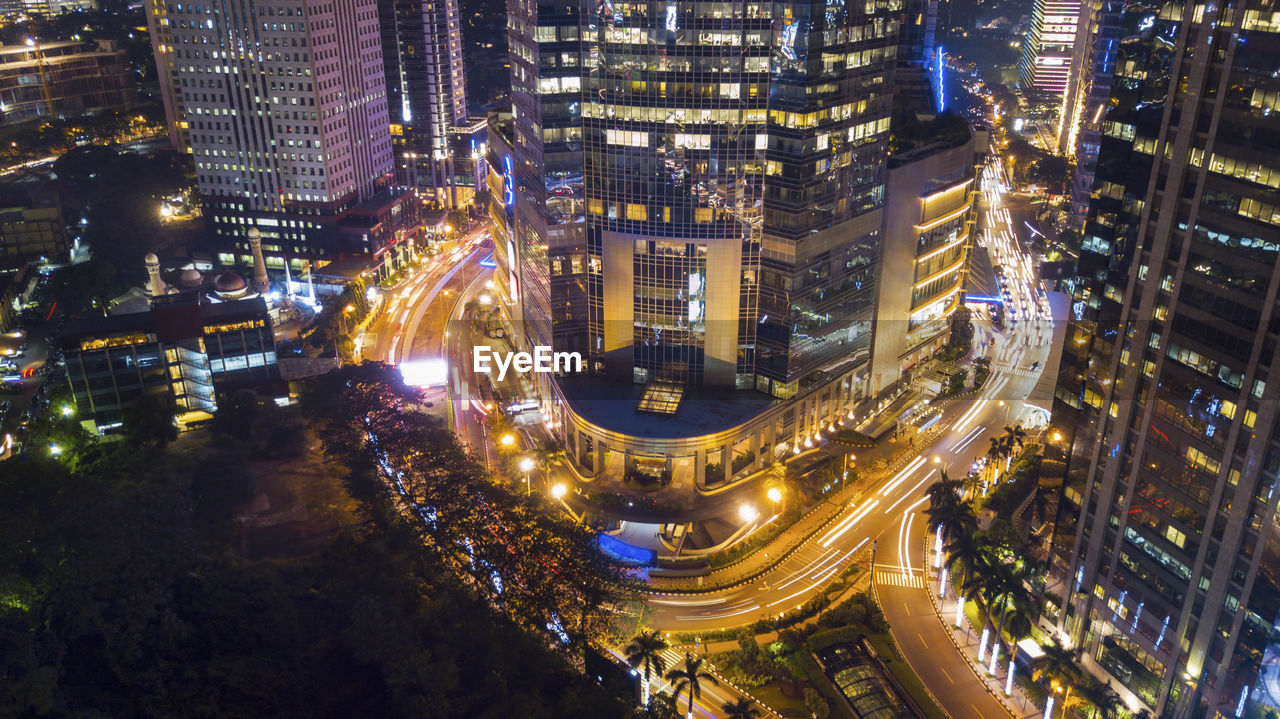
(1018, 371)
(897, 579)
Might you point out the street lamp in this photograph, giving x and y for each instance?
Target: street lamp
(67, 411)
(507, 440)
(55, 450)
(748, 513)
(848, 464)
(558, 490)
(526, 466)
(345, 311)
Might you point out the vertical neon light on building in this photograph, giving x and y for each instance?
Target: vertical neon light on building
(508, 184)
(939, 58)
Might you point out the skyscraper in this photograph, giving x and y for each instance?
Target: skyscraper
(1046, 49)
(1093, 58)
(1168, 412)
(284, 105)
(426, 92)
(690, 197)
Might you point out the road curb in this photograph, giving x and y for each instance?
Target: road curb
(978, 672)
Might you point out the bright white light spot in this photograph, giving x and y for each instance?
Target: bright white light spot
(424, 373)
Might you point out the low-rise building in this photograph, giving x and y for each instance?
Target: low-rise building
(32, 234)
(186, 347)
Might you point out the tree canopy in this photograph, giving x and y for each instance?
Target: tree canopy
(122, 594)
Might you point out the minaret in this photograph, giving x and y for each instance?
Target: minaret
(261, 284)
(155, 285)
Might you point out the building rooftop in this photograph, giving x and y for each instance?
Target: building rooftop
(614, 406)
(173, 318)
(911, 138)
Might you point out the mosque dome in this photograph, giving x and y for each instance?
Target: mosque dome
(191, 278)
(229, 283)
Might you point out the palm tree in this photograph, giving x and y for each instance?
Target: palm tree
(1057, 664)
(963, 555)
(1018, 619)
(944, 492)
(1003, 587)
(995, 453)
(644, 651)
(548, 451)
(1104, 700)
(1012, 441)
(1016, 435)
(689, 680)
(947, 511)
(743, 708)
(660, 706)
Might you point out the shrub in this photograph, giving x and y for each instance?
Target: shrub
(816, 704)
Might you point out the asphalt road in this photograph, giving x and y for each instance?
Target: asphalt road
(887, 515)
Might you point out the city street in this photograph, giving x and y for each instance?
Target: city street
(886, 514)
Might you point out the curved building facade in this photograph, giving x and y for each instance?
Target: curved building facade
(689, 194)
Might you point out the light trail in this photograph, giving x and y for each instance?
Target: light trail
(716, 615)
(972, 436)
(901, 477)
(965, 440)
(690, 602)
(903, 561)
(903, 498)
(847, 524)
(800, 574)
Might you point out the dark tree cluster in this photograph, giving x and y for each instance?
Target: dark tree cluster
(121, 596)
(118, 194)
(539, 568)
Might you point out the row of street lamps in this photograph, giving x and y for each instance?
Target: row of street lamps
(526, 465)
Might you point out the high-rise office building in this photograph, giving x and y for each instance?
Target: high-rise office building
(1165, 401)
(928, 237)
(1093, 59)
(63, 80)
(426, 93)
(689, 195)
(46, 7)
(283, 105)
(1046, 48)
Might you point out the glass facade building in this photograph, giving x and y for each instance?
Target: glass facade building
(690, 195)
(186, 348)
(1168, 572)
(706, 179)
(426, 92)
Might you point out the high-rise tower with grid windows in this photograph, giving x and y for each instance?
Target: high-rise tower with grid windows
(1166, 412)
(282, 104)
(1046, 50)
(426, 93)
(689, 194)
(709, 174)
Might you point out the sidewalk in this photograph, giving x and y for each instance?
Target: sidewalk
(967, 639)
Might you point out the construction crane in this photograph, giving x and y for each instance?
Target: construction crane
(34, 44)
